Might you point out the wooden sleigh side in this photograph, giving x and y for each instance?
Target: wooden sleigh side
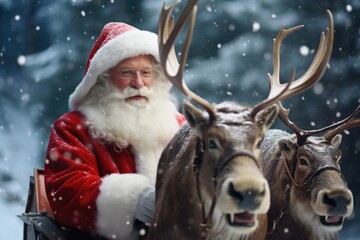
(38, 218)
(39, 223)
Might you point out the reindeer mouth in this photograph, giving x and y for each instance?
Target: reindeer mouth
(244, 219)
(332, 220)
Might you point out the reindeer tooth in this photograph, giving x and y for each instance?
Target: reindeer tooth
(326, 218)
(232, 217)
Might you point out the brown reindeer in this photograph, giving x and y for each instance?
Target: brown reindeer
(209, 182)
(309, 196)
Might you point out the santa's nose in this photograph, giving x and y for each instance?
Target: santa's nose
(137, 82)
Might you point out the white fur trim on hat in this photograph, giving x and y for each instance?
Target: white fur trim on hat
(116, 205)
(129, 44)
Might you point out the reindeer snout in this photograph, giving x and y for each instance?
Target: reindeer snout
(338, 204)
(337, 201)
(248, 198)
(245, 192)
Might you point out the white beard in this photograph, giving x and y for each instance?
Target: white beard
(145, 126)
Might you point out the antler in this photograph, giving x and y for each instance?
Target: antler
(345, 124)
(310, 77)
(334, 128)
(167, 33)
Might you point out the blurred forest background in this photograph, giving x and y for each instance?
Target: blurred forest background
(44, 46)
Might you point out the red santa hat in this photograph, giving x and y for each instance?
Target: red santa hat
(117, 41)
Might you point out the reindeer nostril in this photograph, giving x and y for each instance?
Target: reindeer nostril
(234, 193)
(329, 201)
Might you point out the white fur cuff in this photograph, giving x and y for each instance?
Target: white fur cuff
(116, 205)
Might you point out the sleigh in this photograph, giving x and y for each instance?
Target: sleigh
(39, 223)
(38, 218)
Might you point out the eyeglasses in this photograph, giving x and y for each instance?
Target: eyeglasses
(131, 73)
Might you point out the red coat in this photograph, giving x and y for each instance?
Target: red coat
(79, 167)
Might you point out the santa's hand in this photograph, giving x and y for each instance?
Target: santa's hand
(145, 205)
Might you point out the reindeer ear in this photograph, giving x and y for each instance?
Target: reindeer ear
(287, 148)
(194, 116)
(336, 141)
(265, 118)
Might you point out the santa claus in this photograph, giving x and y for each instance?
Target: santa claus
(102, 156)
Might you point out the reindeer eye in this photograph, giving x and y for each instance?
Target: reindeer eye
(303, 162)
(212, 144)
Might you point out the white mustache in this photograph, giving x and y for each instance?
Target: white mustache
(129, 92)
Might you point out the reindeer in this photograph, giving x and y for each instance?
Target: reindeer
(309, 195)
(210, 183)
